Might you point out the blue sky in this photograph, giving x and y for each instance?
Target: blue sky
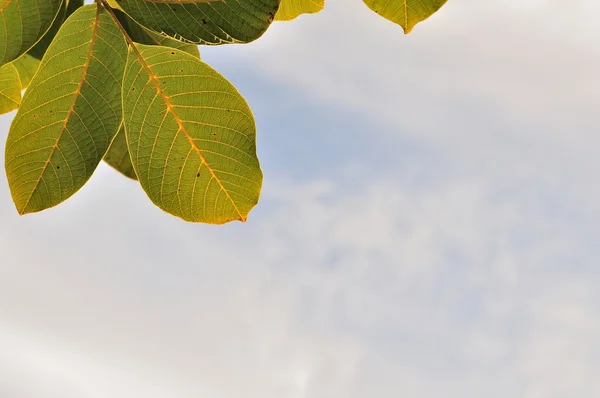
(428, 228)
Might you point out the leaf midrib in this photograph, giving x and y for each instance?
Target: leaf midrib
(76, 95)
(6, 4)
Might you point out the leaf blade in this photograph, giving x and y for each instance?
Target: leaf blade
(194, 154)
(118, 156)
(22, 25)
(202, 22)
(406, 13)
(291, 9)
(10, 88)
(27, 66)
(69, 114)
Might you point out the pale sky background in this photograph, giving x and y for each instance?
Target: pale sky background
(429, 227)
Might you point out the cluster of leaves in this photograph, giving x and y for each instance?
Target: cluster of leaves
(122, 80)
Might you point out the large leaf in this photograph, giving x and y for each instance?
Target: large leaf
(406, 13)
(290, 9)
(26, 65)
(118, 155)
(144, 36)
(204, 21)
(69, 114)
(23, 23)
(191, 136)
(10, 88)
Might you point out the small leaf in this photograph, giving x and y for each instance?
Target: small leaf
(406, 13)
(191, 136)
(142, 35)
(290, 9)
(26, 66)
(22, 24)
(204, 21)
(69, 114)
(10, 89)
(118, 155)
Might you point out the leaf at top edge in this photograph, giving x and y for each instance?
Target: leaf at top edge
(118, 157)
(69, 114)
(290, 9)
(22, 24)
(27, 66)
(142, 35)
(191, 135)
(10, 88)
(406, 13)
(202, 22)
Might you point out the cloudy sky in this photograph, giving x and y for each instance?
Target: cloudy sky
(429, 227)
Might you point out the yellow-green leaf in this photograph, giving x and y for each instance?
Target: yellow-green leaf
(191, 135)
(204, 21)
(69, 114)
(290, 9)
(26, 65)
(406, 13)
(10, 89)
(22, 24)
(142, 35)
(118, 156)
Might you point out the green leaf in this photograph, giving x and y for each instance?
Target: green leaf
(406, 13)
(191, 136)
(10, 88)
(144, 36)
(290, 9)
(41, 46)
(26, 66)
(22, 24)
(204, 21)
(69, 114)
(118, 155)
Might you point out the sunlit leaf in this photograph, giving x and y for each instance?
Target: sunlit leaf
(290, 9)
(69, 114)
(202, 21)
(406, 13)
(10, 88)
(118, 155)
(26, 66)
(23, 23)
(191, 136)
